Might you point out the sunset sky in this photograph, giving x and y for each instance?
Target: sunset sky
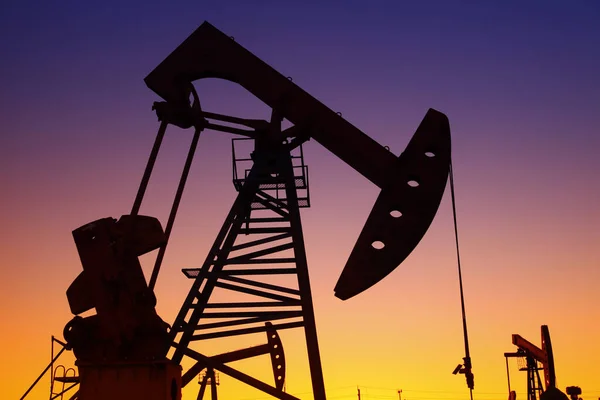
(518, 81)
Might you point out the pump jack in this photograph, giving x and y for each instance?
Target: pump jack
(534, 357)
(125, 350)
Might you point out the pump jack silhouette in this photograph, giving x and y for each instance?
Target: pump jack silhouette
(125, 350)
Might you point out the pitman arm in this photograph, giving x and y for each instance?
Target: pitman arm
(208, 53)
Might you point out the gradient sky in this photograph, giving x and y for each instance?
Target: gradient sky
(518, 80)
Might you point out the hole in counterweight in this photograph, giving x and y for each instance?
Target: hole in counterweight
(395, 213)
(378, 244)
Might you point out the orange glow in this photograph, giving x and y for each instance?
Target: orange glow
(521, 95)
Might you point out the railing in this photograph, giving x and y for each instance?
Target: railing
(74, 380)
(242, 165)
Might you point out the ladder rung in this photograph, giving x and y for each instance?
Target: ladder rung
(260, 241)
(253, 314)
(244, 331)
(263, 285)
(253, 291)
(263, 252)
(259, 271)
(284, 260)
(268, 219)
(272, 229)
(258, 304)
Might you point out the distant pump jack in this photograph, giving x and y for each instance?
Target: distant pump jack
(533, 357)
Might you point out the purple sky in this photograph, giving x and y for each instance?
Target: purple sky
(518, 80)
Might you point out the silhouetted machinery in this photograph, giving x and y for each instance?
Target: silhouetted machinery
(536, 358)
(125, 350)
